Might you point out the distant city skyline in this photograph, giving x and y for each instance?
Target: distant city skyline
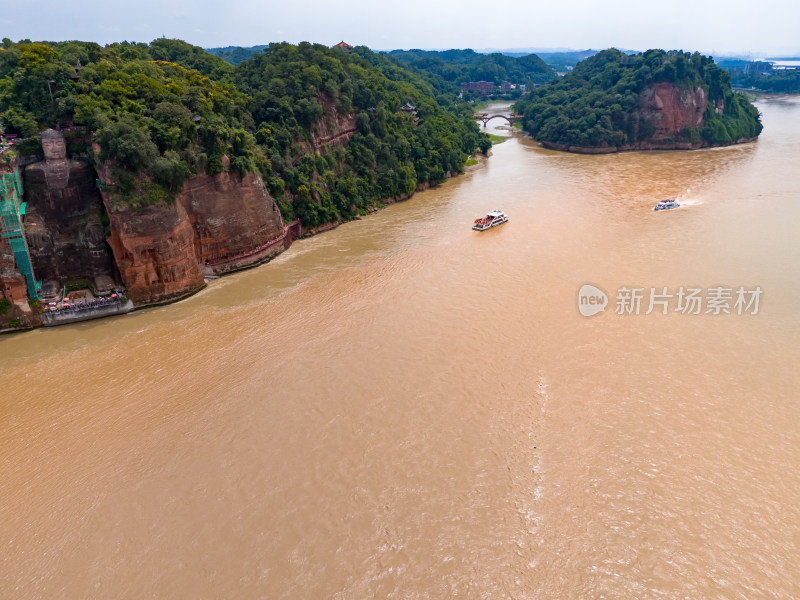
(768, 28)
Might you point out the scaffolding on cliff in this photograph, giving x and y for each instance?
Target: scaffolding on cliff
(12, 210)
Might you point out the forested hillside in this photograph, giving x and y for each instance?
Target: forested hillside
(166, 110)
(236, 54)
(616, 100)
(457, 66)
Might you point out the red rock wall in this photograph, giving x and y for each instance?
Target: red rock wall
(160, 249)
(230, 215)
(334, 129)
(672, 109)
(155, 253)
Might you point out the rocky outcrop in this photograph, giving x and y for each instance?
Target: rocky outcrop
(163, 249)
(230, 215)
(671, 109)
(154, 248)
(335, 129)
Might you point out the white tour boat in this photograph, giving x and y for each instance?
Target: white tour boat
(492, 219)
(666, 204)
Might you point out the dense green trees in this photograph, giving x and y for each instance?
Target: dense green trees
(762, 77)
(458, 66)
(779, 82)
(164, 110)
(142, 106)
(445, 70)
(295, 88)
(236, 54)
(598, 103)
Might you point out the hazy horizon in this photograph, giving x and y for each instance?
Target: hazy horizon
(711, 28)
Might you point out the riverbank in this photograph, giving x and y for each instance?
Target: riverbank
(640, 147)
(256, 257)
(762, 94)
(475, 161)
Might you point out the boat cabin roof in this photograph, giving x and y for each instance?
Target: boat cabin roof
(495, 213)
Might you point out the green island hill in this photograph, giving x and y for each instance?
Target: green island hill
(655, 100)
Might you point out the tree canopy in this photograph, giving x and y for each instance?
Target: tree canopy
(598, 103)
(763, 76)
(389, 153)
(459, 66)
(164, 110)
(236, 54)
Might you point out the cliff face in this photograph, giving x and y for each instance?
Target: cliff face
(63, 222)
(671, 109)
(334, 129)
(229, 215)
(160, 249)
(154, 250)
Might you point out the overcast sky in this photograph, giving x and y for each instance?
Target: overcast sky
(766, 27)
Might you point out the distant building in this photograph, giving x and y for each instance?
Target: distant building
(344, 46)
(483, 88)
(409, 108)
(785, 65)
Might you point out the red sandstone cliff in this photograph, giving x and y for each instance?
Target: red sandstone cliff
(160, 248)
(672, 109)
(229, 214)
(334, 129)
(155, 252)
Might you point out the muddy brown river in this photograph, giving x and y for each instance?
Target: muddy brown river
(406, 408)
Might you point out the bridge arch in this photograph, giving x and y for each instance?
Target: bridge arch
(485, 117)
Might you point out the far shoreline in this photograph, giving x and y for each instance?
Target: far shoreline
(647, 147)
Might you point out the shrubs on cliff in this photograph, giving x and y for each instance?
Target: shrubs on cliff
(146, 110)
(389, 151)
(598, 103)
(165, 110)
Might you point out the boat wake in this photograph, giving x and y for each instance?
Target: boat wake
(688, 199)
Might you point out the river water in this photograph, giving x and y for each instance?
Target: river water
(406, 408)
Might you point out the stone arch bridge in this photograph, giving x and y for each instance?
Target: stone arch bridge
(485, 117)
